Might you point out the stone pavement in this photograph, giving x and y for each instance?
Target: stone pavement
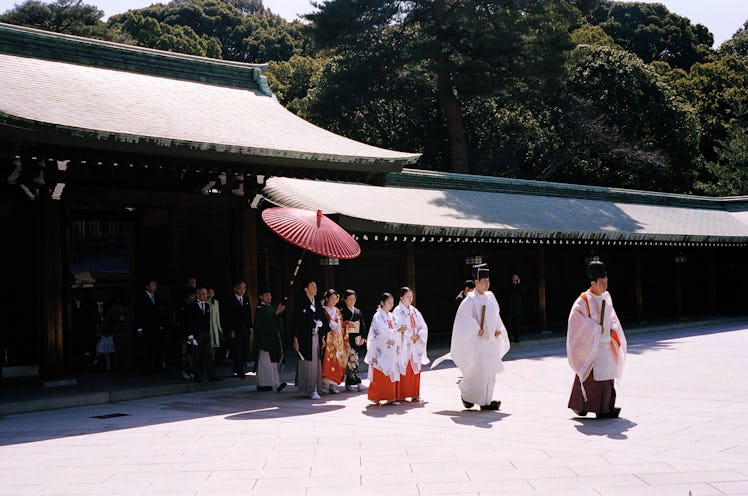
(684, 430)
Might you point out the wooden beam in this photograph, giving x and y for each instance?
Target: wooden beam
(82, 197)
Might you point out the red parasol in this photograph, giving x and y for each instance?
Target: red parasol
(311, 231)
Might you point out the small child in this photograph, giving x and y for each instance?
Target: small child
(105, 347)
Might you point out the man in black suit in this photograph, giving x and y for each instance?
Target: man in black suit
(149, 325)
(239, 326)
(197, 327)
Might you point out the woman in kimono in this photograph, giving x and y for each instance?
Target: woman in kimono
(383, 353)
(335, 357)
(596, 348)
(354, 323)
(216, 332)
(413, 346)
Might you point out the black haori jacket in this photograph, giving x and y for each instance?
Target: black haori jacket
(304, 325)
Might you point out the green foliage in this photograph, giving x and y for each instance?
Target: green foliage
(641, 102)
(459, 50)
(512, 141)
(293, 79)
(654, 33)
(61, 16)
(587, 34)
(235, 30)
(737, 45)
(729, 173)
(718, 92)
(623, 125)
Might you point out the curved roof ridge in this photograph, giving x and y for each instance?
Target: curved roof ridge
(409, 177)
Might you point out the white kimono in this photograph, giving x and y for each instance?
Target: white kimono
(410, 351)
(590, 346)
(383, 345)
(478, 357)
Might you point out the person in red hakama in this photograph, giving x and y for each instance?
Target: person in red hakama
(413, 346)
(383, 353)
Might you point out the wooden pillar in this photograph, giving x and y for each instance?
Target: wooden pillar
(410, 267)
(542, 309)
(52, 298)
(713, 298)
(678, 290)
(639, 294)
(248, 230)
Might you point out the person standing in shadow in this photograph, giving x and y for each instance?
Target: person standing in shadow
(238, 324)
(516, 308)
(197, 327)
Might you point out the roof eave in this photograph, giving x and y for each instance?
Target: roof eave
(27, 130)
(362, 226)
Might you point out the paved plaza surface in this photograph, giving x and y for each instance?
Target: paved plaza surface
(683, 430)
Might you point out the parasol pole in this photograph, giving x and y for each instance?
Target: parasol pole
(296, 270)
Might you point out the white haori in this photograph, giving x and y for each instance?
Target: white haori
(383, 345)
(478, 357)
(591, 346)
(415, 352)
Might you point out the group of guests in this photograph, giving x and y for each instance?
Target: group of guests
(329, 339)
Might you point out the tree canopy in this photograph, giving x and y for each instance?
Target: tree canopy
(585, 91)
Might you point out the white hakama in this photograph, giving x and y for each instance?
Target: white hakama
(309, 377)
(267, 371)
(478, 357)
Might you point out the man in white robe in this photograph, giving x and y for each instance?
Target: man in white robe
(596, 348)
(479, 342)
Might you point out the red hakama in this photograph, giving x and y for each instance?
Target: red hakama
(410, 384)
(382, 388)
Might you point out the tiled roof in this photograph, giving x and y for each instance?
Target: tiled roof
(105, 105)
(439, 211)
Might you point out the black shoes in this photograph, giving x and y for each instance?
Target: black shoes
(613, 413)
(580, 413)
(467, 404)
(281, 387)
(494, 405)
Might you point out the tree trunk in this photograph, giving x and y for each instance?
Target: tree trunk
(448, 98)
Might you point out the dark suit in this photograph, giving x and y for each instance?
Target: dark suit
(515, 309)
(197, 324)
(304, 325)
(238, 318)
(149, 318)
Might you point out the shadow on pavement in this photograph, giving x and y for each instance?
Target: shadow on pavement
(233, 404)
(610, 428)
(379, 411)
(474, 418)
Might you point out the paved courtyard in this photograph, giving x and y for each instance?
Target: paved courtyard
(684, 430)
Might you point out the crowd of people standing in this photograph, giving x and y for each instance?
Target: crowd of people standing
(329, 337)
